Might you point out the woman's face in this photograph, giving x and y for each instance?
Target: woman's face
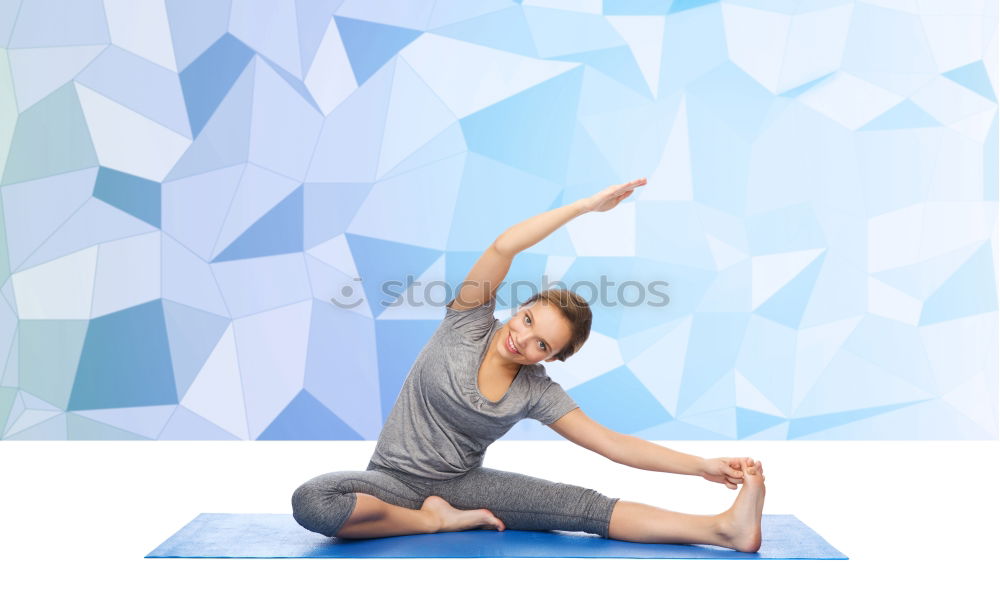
(538, 332)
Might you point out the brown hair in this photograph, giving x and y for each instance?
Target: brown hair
(575, 310)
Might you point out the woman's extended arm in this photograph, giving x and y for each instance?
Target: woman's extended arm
(642, 454)
(639, 453)
(491, 268)
(528, 232)
(625, 449)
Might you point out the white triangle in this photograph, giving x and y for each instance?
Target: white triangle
(661, 366)
(725, 255)
(29, 418)
(976, 399)
(36, 72)
(128, 141)
(498, 74)
(892, 303)
(815, 347)
(62, 288)
(755, 41)
(644, 36)
(749, 397)
(336, 253)
(556, 266)
(33, 402)
(770, 273)
(216, 394)
(600, 356)
(331, 79)
(142, 28)
(976, 126)
(673, 173)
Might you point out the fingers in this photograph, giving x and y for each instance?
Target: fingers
(635, 183)
(737, 467)
(733, 470)
(751, 467)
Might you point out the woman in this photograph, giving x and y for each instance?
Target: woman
(470, 384)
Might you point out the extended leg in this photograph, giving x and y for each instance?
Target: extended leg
(638, 522)
(737, 528)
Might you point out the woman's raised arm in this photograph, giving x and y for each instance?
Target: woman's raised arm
(489, 271)
(483, 280)
(525, 234)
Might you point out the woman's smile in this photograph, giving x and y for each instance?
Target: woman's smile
(510, 345)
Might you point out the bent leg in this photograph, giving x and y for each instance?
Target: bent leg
(373, 517)
(368, 503)
(529, 503)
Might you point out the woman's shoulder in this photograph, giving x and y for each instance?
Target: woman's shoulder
(473, 324)
(536, 376)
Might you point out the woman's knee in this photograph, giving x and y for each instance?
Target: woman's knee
(321, 506)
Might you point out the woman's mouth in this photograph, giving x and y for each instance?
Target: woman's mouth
(510, 345)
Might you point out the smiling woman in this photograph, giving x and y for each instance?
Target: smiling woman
(474, 380)
(573, 308)
(551, 325)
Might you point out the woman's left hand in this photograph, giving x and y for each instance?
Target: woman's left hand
(724, 470)
(611, 196)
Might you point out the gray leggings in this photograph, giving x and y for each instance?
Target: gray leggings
(324, 503)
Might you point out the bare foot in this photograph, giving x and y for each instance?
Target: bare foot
(452, 519)
(741, 523)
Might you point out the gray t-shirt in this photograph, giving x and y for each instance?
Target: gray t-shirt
(441, 423)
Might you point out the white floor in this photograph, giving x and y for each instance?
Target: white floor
(916, 515)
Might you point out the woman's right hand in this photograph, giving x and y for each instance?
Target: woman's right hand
(611, 196)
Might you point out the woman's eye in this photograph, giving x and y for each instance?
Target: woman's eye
(540, 344)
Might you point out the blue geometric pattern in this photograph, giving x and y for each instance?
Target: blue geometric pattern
(209, 213)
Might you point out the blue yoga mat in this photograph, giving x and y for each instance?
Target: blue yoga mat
(230, 535)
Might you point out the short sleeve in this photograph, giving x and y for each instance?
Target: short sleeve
(553, 404)
(474, 322)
